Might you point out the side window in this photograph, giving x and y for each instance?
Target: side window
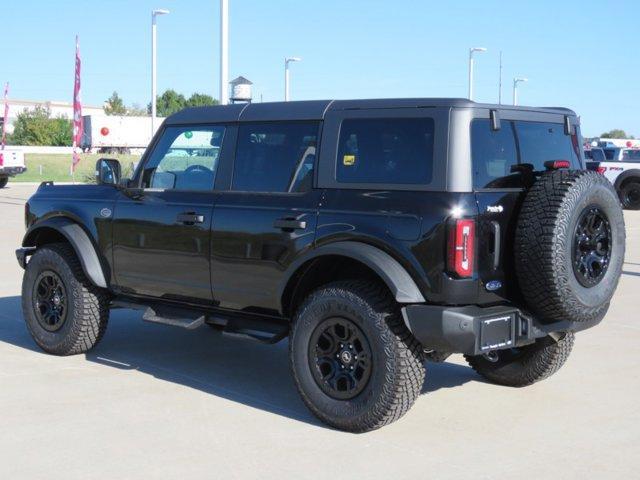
(631, 156)
(493, 153)
(385, 150)
(275, 157)
(185, 158)
(540, 142)
(598, 155)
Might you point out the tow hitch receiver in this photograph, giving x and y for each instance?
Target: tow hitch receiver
(497, 333)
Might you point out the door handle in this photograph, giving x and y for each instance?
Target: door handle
(290, 224)
(496, 244)
(190, 218)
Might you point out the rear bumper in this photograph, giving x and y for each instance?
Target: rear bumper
(11, 171)
(474, 330)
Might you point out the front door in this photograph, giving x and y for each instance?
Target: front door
(162, 230)
(268, 216)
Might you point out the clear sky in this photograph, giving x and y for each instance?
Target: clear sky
(579, 54)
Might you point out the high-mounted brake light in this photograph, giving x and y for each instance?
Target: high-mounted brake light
(601, 170)
(557, 164)
(461, 255)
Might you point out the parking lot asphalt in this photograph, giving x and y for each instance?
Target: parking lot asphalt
(153, 401)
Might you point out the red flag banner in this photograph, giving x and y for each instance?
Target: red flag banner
(5, 120)
(77, 110)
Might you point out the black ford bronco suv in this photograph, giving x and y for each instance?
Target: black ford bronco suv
(375, 234)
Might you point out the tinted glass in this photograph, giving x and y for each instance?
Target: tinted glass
(275, 157)
(493, 153)
(631, 155)
(386, 150)
(540, 142)
(611, 153)
(185, 158)
(597, 155)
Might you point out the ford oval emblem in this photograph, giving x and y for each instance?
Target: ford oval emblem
(493, 285)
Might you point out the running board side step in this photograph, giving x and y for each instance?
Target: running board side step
(174, 317)
(260, 328)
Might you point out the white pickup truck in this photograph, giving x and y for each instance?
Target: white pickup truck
(11, 163)
(621, 166)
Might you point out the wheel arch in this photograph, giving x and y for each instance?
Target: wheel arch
(357, 258)
(57, 229)
(625, 176)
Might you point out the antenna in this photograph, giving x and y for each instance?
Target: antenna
(500, 81)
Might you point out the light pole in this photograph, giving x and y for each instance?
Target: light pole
(224, 52)
(472, 50)
(286, 75)
(154, 88)
(516, 81)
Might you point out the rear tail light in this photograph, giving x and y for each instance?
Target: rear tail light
(601, 170)
(461, 254)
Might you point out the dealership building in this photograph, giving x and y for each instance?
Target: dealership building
(56, 109)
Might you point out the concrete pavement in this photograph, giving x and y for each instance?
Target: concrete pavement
(159, 402)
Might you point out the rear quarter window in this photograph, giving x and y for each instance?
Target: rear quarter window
(385, 151)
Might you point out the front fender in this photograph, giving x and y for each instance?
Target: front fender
(79, 240)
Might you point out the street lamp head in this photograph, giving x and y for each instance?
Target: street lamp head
(477, 49)
(520, 79)
(160, 11)
(292, 59)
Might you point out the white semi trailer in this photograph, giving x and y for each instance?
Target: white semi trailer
(116, 134)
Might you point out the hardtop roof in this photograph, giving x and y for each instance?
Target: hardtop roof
(316, 109)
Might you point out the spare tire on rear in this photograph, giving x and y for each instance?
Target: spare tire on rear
(569, 246)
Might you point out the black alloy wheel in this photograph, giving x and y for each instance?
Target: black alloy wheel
(50, 301)
(592, 247)
(340, 358)
(631, 195)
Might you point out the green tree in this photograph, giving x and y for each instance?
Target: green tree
(169, 102)
(201, 100)
(615, 133)
(115, 105)
(36, 127)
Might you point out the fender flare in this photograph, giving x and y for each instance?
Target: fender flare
(394, 275)
(80, 242)
(624, 176)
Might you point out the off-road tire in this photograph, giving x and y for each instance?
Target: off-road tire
(397, 373)
(630, 194)
(3, 181)
(544, 243)
(525, 365)
(88, 306)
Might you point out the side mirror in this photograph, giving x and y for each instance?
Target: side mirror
(108, 171)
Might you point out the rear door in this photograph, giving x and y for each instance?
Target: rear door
(384, 172)
(269, 214)
(503, 164)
